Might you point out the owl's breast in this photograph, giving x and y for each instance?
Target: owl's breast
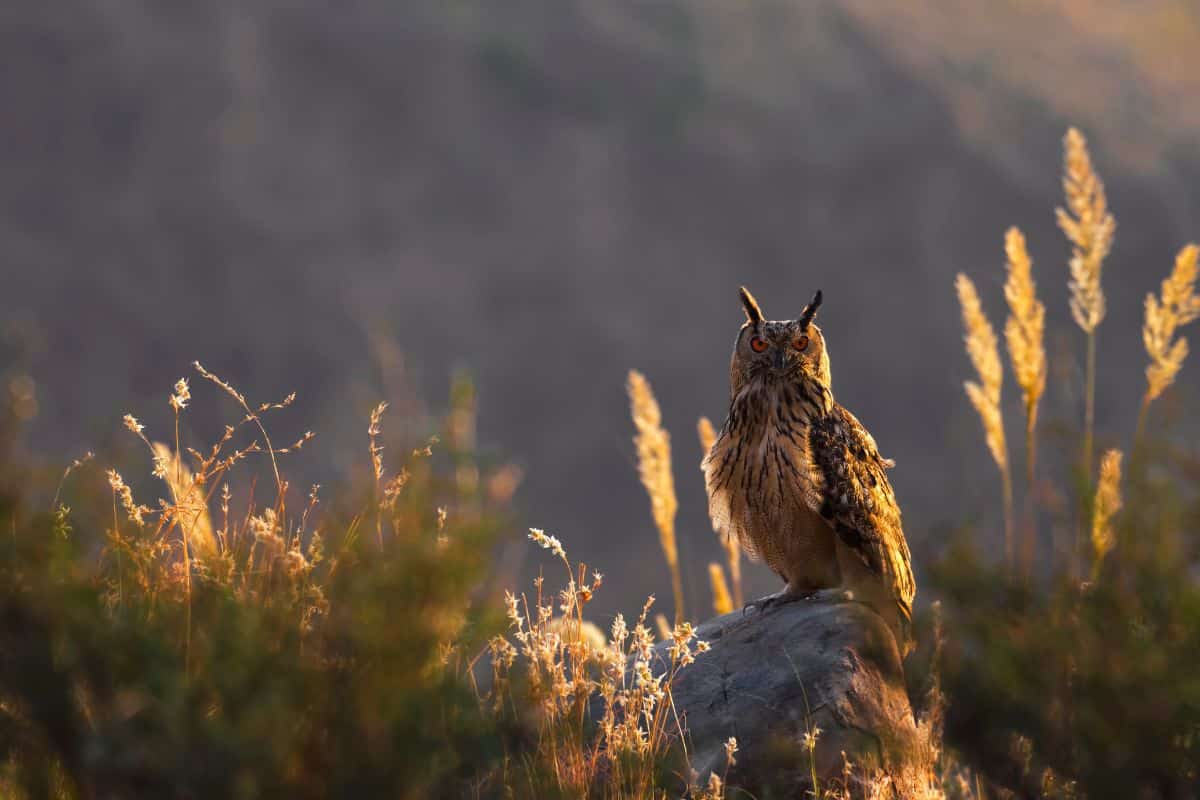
(763, 484)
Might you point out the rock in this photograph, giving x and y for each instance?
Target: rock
(773, 675)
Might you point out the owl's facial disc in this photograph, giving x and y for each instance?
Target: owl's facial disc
(776, 350)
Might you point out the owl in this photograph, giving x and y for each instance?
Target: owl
(799, 481)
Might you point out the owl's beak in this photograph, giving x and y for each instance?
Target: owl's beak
(781, 357)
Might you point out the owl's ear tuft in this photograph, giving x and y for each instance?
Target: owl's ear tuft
(810, 311)
(753, 312)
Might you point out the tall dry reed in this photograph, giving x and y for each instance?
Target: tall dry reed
(1088, 225)
(654, 467)
(722, 602)
(984, 352)
(1024, 332)
(1178, 305)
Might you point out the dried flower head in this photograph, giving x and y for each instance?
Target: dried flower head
(373, 431)
(137, 513)
(1108, 503)
(984, 352)
(181, 396)
(1025, 329)
(809, 740)
(74, 465)
(1178, 306)
(654, 467)
(189, 507)
(1089, 227)
(548, 542)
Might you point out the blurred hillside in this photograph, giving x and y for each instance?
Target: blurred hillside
(353, 199)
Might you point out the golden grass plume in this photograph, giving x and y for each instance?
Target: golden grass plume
(1025, 329)
(1089, 227)
(722, 602)
(654, 467)
(1108, 503)
(1178, 305)
(984, 352)
(1024, 332)
(191, 505)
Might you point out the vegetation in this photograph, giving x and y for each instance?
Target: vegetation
(1061, 685)
(275, 649)
(227, 642)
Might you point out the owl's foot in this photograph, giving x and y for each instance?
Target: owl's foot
(785, 595)
(789, 595)
(835, 595)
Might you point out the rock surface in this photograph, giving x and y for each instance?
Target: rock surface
(773, 675)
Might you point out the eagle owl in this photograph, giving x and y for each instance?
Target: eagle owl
(798, 480)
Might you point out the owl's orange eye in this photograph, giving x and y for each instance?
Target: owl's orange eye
(801, 343)
(757, 344)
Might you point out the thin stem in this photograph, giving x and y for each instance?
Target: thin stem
(677, 590)
(1009, 548)
(1030, 536)
(187, 560)
(1140, 430)
(378, 513)
(120, 544)
(1135, 475)
(1089, 408)
(1089, 422)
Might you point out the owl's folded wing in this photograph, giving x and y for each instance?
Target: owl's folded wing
(858, 500)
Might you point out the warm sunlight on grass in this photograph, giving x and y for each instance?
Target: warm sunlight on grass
(217, 632)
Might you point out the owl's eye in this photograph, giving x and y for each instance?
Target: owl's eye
(801, 343)
(757, 344)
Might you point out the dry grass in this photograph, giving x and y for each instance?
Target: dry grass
(1107, 504)
(1177, 306)
(1049, 667)
(984, 352)
(568, 663)
(654, 467)
(601, 706)
(176, 542)
(730, 544)
(1025, 333)
(722, 602)
(601, 710)
(1089, 227)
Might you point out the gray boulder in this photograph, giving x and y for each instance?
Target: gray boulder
(774, 675)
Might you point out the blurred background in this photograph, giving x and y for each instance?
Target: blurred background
(355, 200)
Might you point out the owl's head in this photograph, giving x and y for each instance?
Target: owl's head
(778, 351)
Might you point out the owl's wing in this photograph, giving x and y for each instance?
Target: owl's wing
(858, 501)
